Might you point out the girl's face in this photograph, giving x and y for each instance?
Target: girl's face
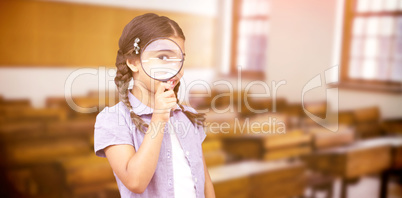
(144, 81)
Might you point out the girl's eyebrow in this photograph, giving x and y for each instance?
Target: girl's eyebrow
(167, 50)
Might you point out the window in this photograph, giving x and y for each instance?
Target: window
(250, 37)
(372, 48)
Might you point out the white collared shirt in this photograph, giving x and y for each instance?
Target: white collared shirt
(183, 182)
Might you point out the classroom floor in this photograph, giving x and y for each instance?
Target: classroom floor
(366, 187)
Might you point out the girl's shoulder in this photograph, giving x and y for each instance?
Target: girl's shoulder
(119, 107)
(111, 114)
(111, 128)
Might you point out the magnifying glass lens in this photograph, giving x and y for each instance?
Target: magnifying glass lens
(162, 59)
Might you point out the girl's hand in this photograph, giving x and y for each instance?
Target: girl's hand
(164, 102)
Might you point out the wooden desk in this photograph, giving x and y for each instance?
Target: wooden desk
(353, 161)
(259, 179)
(244, 147)
(34, 114)
(83, 178)
(396, 162)
(36, 151)
(323, 138)
(16, 131)
(231, 124)
(220, 124)
(213, 153)
(71, 128)
(268, 146)
(292, 144)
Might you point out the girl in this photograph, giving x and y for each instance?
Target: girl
(152, 143)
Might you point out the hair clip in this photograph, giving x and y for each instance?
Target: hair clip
(136, 46)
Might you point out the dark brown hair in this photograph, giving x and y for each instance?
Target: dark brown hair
(145, 27)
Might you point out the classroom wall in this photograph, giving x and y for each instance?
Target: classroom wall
(48, 33)
(300, 45)
(303, 44)
(45, 43)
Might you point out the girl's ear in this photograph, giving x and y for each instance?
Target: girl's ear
(132, 66)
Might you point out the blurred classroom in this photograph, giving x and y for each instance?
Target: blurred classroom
(302, 98)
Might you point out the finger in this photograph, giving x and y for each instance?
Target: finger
(167, 103)
(162, 87)
(171, 105)
(168, 94)
(170, 100)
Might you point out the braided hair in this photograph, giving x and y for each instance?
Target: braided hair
(145, 27)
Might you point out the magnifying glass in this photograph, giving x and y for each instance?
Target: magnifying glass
(162, 59)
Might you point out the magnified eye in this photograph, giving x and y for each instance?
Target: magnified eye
(163, 57)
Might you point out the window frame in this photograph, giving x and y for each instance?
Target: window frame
(361, 84)
(236, 18)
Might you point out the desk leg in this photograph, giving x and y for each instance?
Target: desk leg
(384, 184)
(344, 188)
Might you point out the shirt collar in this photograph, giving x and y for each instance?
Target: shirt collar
(141, 109)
